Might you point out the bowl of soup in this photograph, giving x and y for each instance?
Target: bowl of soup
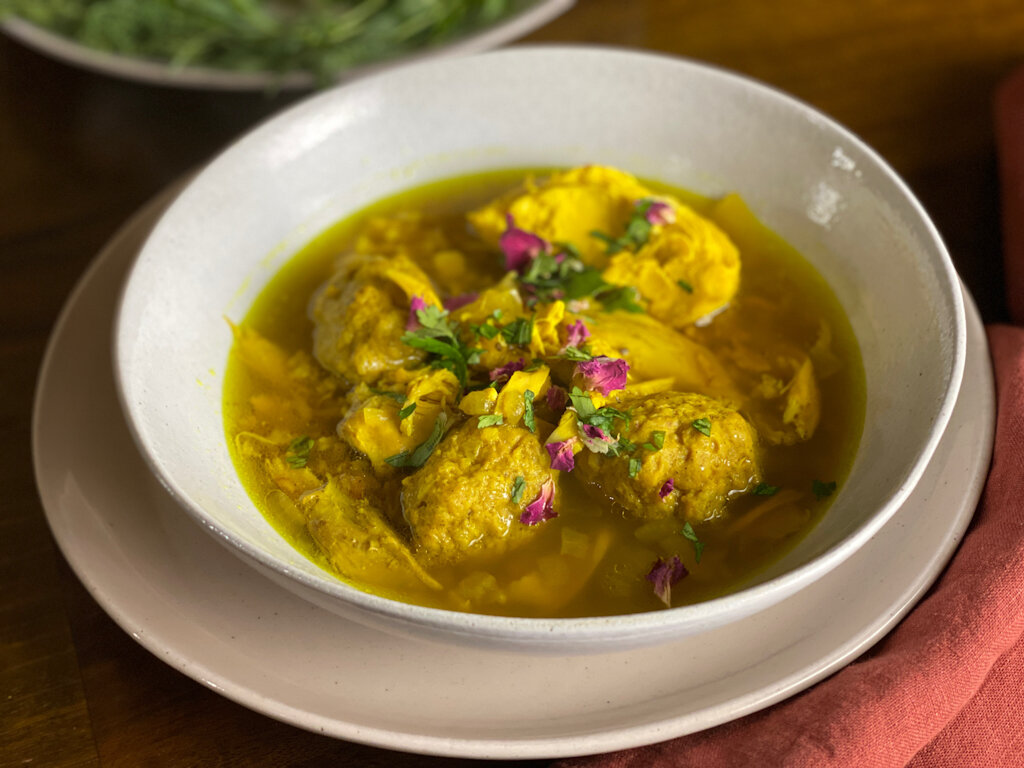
(478, 354)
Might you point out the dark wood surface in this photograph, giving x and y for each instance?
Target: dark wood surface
(79, 152)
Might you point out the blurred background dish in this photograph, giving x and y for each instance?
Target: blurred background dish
(262, 44)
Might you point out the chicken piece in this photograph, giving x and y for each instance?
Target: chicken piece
(360, 316)
(688, 269)
(565, 208)
(460, 502)
(654, 351)
(349, 525)
(375, 428)
(692, 474)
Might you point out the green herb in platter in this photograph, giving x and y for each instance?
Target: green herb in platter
(320, 37)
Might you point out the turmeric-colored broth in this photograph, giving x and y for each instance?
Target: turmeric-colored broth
(591, 560)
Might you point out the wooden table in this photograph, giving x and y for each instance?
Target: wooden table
(80, 152)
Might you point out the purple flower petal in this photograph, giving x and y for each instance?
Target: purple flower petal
(557, 398)
(519, 246)
(577, 334)
(664, 574)
(596, 439)
(561, 454)
(542, 507)
(659, 212)
(667, 488)
(603, 374)
(454, 302)
(417, 303)
(505, 371)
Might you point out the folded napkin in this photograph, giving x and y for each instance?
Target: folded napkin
(944, 687)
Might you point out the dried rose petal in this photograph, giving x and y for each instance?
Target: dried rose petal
(577, 334)
(519, 246)
(561, 454)
(503, 372)
(541, 508)
(557, 398)
(659, 212)
(664, 574)
(454, 302)
(666, 489)
(603, 374)
(415, 304)
(596, 439)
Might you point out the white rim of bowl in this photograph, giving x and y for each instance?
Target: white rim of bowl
(598, 629)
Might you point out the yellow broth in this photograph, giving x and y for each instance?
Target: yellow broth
(590, 560)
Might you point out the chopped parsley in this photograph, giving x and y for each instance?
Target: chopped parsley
(490, 420)
(763, 489)
(298, 452)
(422, 452)
(518, 332)
(397, 396)
(407, 411)
(657, 441)
(703, 426)
(439, 337)
(518, 486)
(528, 418)
(685, 286)
(577, 354)
(823, 490)
(634, 467)
(638, 231)
(698, 545)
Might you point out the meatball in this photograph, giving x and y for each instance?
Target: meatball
(460, 502)
(704, 469)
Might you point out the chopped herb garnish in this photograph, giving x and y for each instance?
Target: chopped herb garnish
(657, 441)
(488, 331)
(577, 354)
(703, 426)
(763, 489)
(528, 419)
(438, 336)
(518, 486)
(490, 420)
(823, 490)
(518, 332)
(406, 412)
(689, 534)
(624, 298)
(582, 403)
(634, 467)
(422, 452)
(685, 286)
(298, 452)
(646, 213)
(397, 396)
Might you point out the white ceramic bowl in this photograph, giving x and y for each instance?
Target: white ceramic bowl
(681, 122)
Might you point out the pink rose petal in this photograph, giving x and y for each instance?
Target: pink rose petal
(503, 372)
(664, 574)
(519, 246)
(577, 334)
(454, 302)
(417, 303)
(541, 508)
(596, 439)
(561, 454)
(557, 398)
(667, 488)
(603, 374)
(659, 212)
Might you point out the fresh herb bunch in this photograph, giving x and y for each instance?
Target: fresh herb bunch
(322, 37)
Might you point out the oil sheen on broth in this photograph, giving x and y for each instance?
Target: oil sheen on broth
(545, 393)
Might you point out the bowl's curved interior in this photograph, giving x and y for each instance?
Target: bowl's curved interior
(679, 122)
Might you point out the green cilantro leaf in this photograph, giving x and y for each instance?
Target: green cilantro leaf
(518, 486)
(703, 426)
(422, 452)
(685, 286)
(528, 419)
(634, 467)
(823, 490)
(490, 420)
(691, 535)
(298, 452)
(518, 332)
(763, 489)
(407, 411)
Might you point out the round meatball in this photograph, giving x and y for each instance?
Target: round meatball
(461, 501)
(692, 474)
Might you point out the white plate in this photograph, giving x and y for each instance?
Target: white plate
(64, 49)
(204, 612)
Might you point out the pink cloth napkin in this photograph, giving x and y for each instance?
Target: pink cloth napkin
(945, 687)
